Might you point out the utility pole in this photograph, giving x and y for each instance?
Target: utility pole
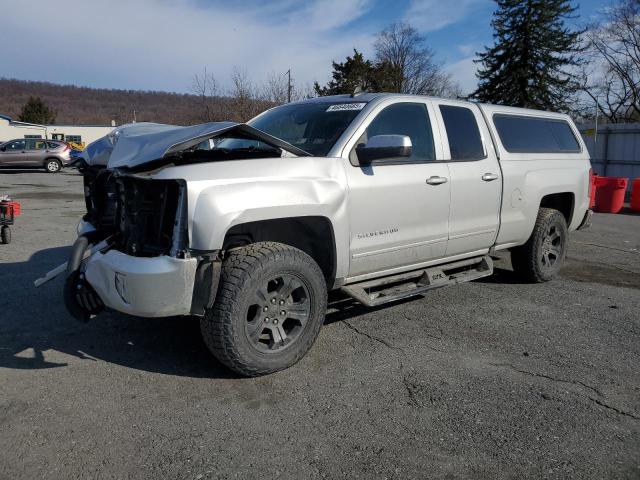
(289, 86)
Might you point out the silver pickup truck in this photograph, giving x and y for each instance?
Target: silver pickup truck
(383, 196)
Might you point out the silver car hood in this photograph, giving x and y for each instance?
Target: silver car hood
(136, 144)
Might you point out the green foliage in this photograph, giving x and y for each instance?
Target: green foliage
(36, 111)
(355, 72)
(530, 64)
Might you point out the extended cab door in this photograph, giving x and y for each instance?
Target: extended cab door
(476, 178)
(398, 208)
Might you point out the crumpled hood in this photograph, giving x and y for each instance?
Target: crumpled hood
(135, 144)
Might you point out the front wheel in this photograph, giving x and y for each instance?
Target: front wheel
(540, 259)
(268, 311)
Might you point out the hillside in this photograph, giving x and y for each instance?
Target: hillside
(91, 106)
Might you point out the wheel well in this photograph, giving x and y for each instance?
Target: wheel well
(312, 235)
(563, 202)
(52, 158)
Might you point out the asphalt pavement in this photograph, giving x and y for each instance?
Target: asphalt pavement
(492, 379)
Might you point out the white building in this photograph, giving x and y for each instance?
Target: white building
(78, 134)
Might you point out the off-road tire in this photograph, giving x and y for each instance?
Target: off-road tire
(5, 235)
(244, 271)
(49, 165)
(528, 260)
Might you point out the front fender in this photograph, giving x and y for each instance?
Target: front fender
(226, 194)
(218, 208)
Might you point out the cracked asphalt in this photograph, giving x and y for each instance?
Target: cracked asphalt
(491, 379)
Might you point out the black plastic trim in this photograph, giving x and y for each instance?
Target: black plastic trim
(206, 284)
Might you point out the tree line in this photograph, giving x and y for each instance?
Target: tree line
(538, 59)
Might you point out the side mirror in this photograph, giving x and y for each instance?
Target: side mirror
(382, 147)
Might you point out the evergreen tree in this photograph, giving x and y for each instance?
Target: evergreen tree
(533, 54)
(355, 72)
(36, 111)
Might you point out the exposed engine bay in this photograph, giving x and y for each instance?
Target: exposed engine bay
(145, 217)
(142, 217)
(133, 219)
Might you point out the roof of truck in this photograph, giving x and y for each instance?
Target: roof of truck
(360, 97)
(367, 97)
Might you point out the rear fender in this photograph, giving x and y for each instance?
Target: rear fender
(523, 195)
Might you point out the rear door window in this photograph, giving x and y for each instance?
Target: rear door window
(465, 142)
(520, 134)
(35, 144)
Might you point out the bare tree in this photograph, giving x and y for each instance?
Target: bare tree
(412, 66)
(245, 102)
(304, 93)
(276, 89)
(205, 87)
(613, 45)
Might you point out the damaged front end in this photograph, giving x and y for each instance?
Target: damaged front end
(142, 266)
(132, 253)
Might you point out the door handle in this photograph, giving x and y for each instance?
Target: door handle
(436, 180)
(489, 177)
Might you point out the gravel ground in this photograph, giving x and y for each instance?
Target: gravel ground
(490, 379)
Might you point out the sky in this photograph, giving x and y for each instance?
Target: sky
(162, 44)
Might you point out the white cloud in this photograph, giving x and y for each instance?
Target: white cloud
(160, 44)
(330, 14)
(432, 15)
(467, 49)
(464, 72)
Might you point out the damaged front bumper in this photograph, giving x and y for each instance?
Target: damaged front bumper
(146, 287)
(132, 252)
(100, 276)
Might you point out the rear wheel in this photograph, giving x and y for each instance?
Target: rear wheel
(540, 259)
(269, 309)
(5, 235)
(52, 165)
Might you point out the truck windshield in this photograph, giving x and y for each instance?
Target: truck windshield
(313, 127)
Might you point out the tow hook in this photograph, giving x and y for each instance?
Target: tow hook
(82, 302)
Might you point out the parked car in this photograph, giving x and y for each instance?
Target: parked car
(383, 196)
(51, 155)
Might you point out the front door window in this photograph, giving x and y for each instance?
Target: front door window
(16, 146)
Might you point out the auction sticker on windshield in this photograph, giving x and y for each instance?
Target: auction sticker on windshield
(346, 107)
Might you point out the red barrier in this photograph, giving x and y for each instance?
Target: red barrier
(593, 178)
(610, 194)
(635, 195)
